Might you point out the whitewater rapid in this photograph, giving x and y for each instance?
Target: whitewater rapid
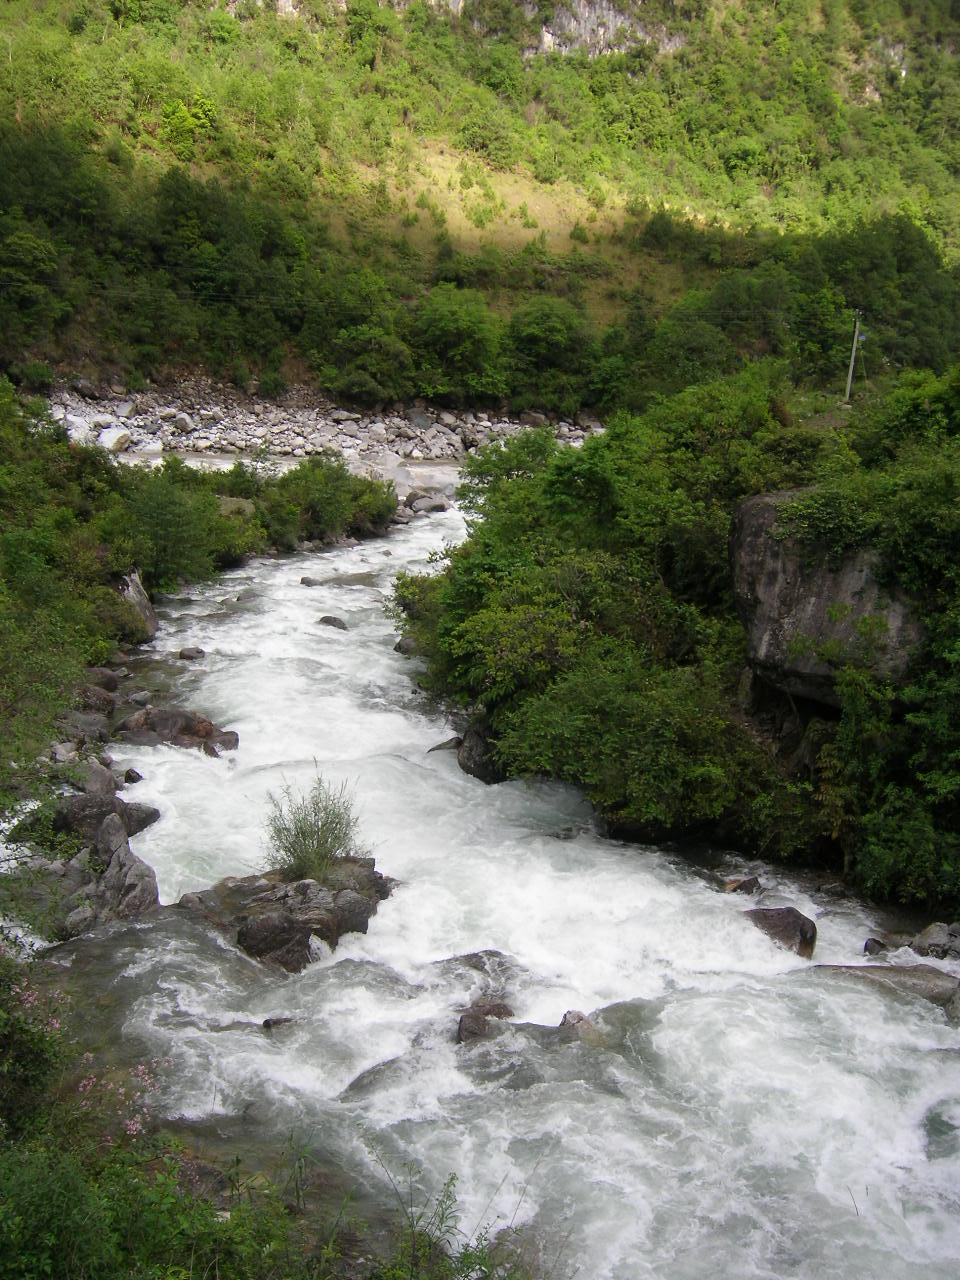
(738, 1112)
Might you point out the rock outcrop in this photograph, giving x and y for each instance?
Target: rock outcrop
(795, 609)
(475, 757)
(942, 941)
(105, 881)
(276, 922)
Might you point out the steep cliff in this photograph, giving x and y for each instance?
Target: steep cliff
(804, 617)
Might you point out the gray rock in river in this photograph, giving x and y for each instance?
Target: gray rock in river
(476, 757)
(921, 980)
(788, 927)
(275, 921)
(942, 941)
(793, 606)
(179, 727)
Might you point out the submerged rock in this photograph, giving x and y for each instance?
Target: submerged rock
(473, 1021)
(922, 980)
(744, 884)
(788, 927)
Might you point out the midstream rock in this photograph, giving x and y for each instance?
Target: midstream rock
(152, 725)
(787, 927)
(275, 922)
(473, 1021)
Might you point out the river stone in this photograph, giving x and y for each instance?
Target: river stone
(474, 756)
(93, 698)
(179, 727)
(328, 620)
(874, 947)
(97, 780)
(192, 653)
(405, 645)
(923, 980)
(103, 678)
(448, 744)
(276, 937)
(137, 817)
(89, 726)
(85, 814)
(128, 886)
(115, 439)
(307, 581)
(787, 927)
(942, 941)
(791, 607)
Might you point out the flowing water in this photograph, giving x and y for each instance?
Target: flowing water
(735, 1112)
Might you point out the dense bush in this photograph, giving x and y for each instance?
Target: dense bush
(589, 617)
(308, 832)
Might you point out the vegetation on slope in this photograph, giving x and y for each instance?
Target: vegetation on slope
(73, 522)
(414, 203)
(590, 618)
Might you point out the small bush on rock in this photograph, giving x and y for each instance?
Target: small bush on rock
(307, 832)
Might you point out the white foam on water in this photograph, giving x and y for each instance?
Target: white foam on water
(736, 1111)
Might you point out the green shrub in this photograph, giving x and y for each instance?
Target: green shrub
(308, 832)
(30, 1050)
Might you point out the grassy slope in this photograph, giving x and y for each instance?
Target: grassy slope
(386, 129)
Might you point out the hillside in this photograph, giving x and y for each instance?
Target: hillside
(563, 205)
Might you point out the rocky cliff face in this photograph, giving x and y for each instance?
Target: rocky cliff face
(598, 26)
(795, 611)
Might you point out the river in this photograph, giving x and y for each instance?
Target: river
(737, 1111)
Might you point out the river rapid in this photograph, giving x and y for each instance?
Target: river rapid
(737, 1112)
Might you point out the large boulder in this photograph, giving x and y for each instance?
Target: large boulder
(181, 728)
(274, 921)
(475, 757)
(795, 606)
(788, 927)
(942, 941)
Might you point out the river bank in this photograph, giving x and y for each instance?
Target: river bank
(212, 423)
(730, 1090)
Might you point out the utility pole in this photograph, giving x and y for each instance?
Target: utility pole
(853, 357)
